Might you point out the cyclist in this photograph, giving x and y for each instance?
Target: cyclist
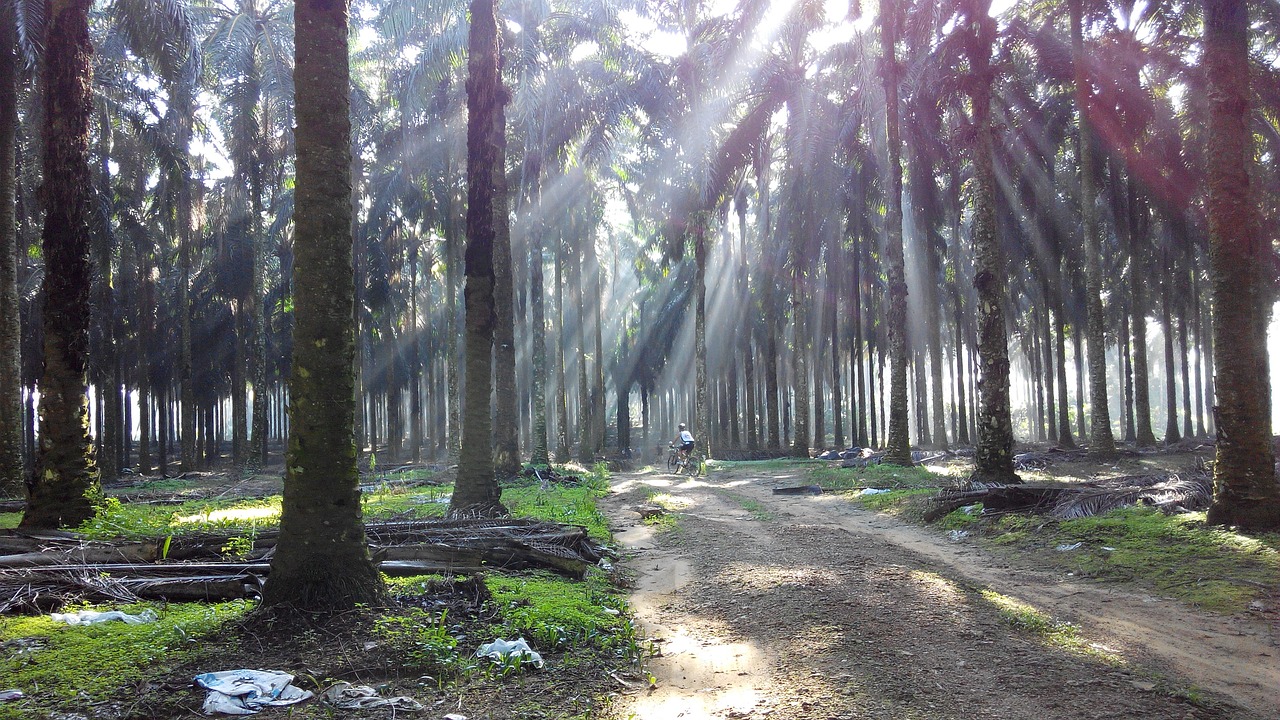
(685, 440)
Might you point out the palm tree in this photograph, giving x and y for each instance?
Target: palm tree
(322, 559)
(11, 467)
(1101, 441)
(476, 490)
(66, 476)
(1246, 492)
(898, 446)
(994, 461)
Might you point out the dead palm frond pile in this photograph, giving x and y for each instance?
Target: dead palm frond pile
(43, 571)
(1170, 492)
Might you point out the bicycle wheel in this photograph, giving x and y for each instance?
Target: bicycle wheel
(693, 465)
(673, 462)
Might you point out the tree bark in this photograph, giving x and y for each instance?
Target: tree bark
(540, 454)
(59, 493)
(898, 447)
(994, 459)
(506, 430)
(1170, 368)
(322, 559)
(1246, 492)
(1101, 442)
(12, 470)
(476, 490)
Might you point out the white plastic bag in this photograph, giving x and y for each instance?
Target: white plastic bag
(93, 617)
(245, 692)
(501, 650)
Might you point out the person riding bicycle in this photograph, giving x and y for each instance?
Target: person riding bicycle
(685, 440)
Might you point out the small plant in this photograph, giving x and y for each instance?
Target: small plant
(421, 637)
(238, 547)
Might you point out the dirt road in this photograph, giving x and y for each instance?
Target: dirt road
(808, 607)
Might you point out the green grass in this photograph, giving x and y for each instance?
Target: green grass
(77, 666)
(1176, 555)
(1052, 632)
(754, 508)
(879, 476)
(9, 521)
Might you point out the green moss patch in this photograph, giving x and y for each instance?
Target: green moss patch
(58, 665)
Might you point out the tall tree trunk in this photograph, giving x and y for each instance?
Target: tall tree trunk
(1187, 430)
(58, 494)
(962, 419)
(106, 357)
(184, 105)
(12, 470)
(457, 332)
(506, 429)
(322, 562)
(701, 423)
(1197, 318)
(1065, 440)
(257, 323)
(562, 393)
(1141, 377)
(537, 292)
(1246, 492)
(994, 459)
(1170, 368)
(415, 359)
(1046, 343)
(1126, 377)
(476, 490)
(1101, 442)
(898, 447)
(142, 349)
(833, 327)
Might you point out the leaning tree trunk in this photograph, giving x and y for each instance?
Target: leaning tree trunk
(65, 474)
(12, 470)
(322, 562)
(1244, 479)
(994, 459)
(1101, 442)
(476, 490)
(898, 446)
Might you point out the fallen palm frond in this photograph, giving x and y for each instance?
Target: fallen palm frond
(1177, 492)
(46, 570)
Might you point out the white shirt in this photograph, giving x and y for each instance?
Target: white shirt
(686, 436)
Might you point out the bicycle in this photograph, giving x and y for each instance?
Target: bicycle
(687, 463)
(674, 458)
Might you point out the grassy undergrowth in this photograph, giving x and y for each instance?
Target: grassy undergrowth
(61, 667)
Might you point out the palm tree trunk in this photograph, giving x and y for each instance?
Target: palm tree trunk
(12, 471)
(898, 447)
(1126, 376)
(1046, 343)
(701, 424)
(1246, 492)
(322, 559)
(1101, 442)
(506, 430)
(1170, 368)
(1065, 440)
(540, 454)
(994, 459)
(476, 490)
(65, 472)
(415, 359)
(561, 394)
